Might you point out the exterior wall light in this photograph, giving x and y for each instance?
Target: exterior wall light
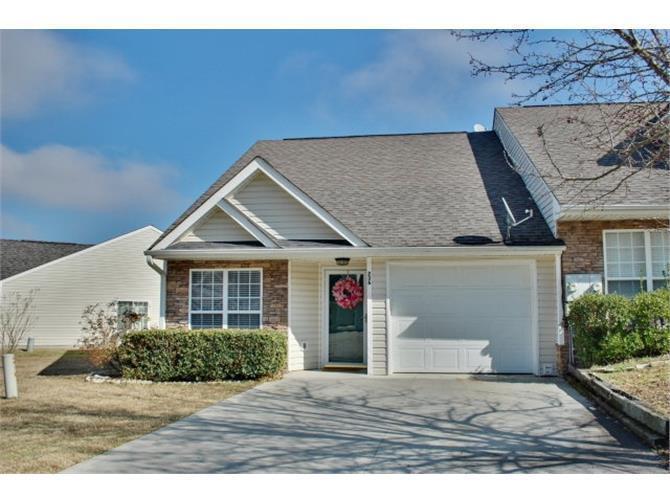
(342, 262)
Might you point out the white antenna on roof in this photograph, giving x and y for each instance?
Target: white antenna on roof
(511, 220)
(479, 127)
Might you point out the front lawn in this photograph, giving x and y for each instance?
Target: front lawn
(60, 419)
(649, 383)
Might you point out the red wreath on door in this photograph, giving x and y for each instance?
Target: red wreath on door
(348, 294)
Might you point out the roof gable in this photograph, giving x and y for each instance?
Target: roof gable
(220, 194)
(217, 226)
(406, 190)
(273, 210)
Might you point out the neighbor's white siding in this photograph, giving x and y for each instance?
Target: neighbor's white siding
(217, 226)
(271, 208)
(547, 315)
(116, 270)
(543, 197)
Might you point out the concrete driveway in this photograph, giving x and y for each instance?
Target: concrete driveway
(315, 422)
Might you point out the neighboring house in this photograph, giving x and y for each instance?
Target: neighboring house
(616, 237)
(68, 277)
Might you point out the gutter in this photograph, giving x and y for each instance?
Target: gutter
(269, 253)
(615, 211)
(153, 264)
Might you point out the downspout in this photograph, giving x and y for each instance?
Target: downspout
(162, 272)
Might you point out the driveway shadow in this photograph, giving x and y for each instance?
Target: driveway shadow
(360, 424)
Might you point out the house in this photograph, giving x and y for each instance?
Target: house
(295, 229)
(396, 253)
(616, 236)
(67, 277)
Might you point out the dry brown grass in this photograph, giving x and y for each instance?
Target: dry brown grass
(60, 420)
(649, 385)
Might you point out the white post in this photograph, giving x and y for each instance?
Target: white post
(9, 372)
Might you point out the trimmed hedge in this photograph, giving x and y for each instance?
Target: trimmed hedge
(612, 328)
(167, 355)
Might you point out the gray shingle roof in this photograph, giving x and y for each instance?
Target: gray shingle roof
(17, 256)
(568, 141)
(404, 190)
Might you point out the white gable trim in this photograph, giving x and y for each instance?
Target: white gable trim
(238, 180)
(79, 253)
(247, 225)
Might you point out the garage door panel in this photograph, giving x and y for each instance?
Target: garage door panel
(411, 359)
(476, 360)
(448, 327)
(460, 301)
(445, 358)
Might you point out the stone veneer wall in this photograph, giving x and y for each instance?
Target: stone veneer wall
(275, 289)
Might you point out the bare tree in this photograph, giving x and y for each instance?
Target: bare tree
(103, 329)
(17, 315)
(625, 74)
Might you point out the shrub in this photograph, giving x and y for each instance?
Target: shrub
(202, 355)
(611, 328)
(651, 321)
(103, 329)
(599, 323)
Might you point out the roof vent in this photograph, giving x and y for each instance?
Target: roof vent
(478, 127)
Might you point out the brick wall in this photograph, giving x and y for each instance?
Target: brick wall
(584, 242)
(275, 289)
(584, 255)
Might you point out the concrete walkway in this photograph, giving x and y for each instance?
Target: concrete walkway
(314, 422)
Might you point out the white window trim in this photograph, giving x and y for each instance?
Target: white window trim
(649, 278)
(224, 312)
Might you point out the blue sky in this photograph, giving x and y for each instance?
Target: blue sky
(107, 131)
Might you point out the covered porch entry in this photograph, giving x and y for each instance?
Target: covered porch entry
(328, 315)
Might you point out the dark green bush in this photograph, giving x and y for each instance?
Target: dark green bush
(202, 355)
(611, 328)
(651, 321)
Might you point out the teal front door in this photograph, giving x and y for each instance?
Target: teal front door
(346, 317)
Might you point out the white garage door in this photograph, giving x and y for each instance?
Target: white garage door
(461, 318)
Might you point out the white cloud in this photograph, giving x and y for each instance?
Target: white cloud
(41, 68)
(420, 73)
(63, 177)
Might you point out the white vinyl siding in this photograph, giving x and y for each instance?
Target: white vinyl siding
(112, 271)
(543, 197)
(272, 209)
(378, 295)
(217, 226)
(636, 260)
(548, 316)
(306, 316)
(304, 342)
